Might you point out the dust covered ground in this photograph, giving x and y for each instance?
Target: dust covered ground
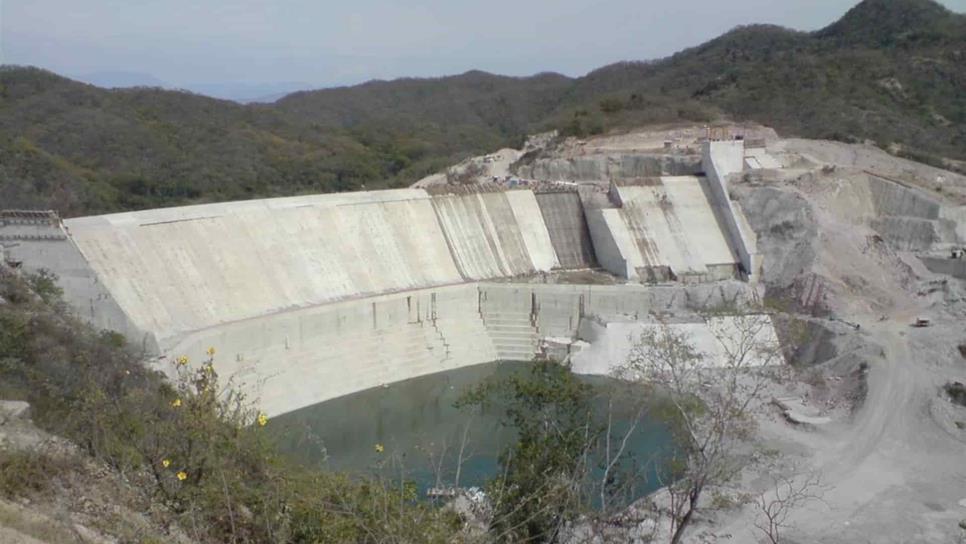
(892, 465)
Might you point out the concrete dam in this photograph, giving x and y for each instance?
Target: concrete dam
(313, 297)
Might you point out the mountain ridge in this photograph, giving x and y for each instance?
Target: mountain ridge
(81, 149)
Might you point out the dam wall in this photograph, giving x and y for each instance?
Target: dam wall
(177, 270)
(300, 357)
(310, 298)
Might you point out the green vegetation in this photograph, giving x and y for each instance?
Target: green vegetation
(543, 471)
(570, 461)
(196, 447)
(890, 71)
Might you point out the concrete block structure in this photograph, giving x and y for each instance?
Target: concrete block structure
(720, 159)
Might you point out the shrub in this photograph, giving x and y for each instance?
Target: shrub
(200, 441)
(26, 472)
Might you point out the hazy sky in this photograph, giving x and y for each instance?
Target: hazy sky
(324, 42)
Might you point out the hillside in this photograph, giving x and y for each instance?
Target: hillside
(891, 71)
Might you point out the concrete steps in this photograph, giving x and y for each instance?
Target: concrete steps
(513, 334)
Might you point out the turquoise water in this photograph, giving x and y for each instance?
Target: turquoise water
(420, 432)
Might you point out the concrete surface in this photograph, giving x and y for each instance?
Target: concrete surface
(182, 269)
(563, 214)
(536, 236)
(296, 358)
(673, 225)
(484, 237)
(721, 159)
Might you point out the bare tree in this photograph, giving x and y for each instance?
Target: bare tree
(786, 494)
(709, 397)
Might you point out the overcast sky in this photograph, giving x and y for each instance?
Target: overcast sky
(324, 42)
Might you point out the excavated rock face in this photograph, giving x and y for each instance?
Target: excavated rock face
(610, 166)
(786, 230)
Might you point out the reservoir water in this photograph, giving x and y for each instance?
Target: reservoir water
(411, 430)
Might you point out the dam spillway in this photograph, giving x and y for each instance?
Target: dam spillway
(313, 297)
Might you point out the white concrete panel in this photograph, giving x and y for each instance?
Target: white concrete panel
(626, 241)
(661, 237)
(179, 275)
(609, 253)
(483, 234)
(459, 216)
(700, 228)
(534, 230)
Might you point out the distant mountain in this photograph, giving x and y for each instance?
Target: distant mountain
(890, 71)
(245, 93)
(119, 80)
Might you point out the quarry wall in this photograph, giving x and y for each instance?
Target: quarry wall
(610, 166)
(907, 218)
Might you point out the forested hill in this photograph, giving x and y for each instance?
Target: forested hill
(891, 71)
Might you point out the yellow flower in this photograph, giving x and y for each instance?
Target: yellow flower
(211, 351)
(262, 420)
(176, 403)
(380, 448)
(166, 463)
(182, 475)
(182, 360)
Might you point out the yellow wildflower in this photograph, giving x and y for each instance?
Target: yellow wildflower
(166, 463)
(182, 360)
(176, 403)
(380, 448)
(262, 420)
(182, 475)
(211, 351)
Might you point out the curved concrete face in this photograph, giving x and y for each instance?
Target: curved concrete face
(294, 359)
(184, 269)
(297, 358)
